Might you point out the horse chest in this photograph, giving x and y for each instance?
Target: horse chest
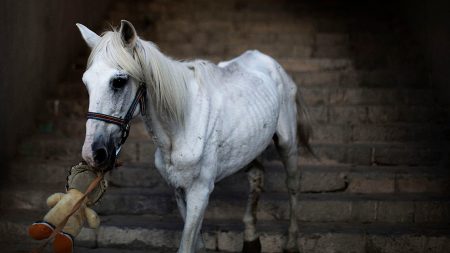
(176, 175)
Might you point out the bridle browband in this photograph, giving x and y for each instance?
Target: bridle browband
(124, 123)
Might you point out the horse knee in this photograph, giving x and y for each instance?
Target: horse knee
(255, 178)
(293, 184)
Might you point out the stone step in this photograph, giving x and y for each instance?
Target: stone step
(227, 40)
(289, 63)
(375, 78)
(312, 207)
(328, 95)
(190, 8)
(321, 113)
(323, 132)
(10, 247)
(74, 87)
(299, 48)
(144, 232)
(185, 50)
(49, 148)
(314, 73)
(366, 96)
(225, 26)
(315, 178)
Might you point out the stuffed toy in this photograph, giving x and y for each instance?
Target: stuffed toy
(61, 204)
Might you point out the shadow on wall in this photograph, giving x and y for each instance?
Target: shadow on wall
(430, 21)
(38, 40)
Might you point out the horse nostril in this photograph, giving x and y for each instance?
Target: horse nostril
(100, 156)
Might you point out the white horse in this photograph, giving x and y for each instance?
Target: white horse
(209, 121)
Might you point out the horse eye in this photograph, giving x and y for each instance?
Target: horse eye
(118, 82)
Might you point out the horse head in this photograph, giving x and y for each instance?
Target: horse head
(112, 81)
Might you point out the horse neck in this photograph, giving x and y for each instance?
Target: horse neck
(163, 125)
(159, 129)
(167, 81)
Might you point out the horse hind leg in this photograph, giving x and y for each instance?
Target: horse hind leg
(255, 176)
(287, 148)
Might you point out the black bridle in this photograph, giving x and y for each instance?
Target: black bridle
(123, 123)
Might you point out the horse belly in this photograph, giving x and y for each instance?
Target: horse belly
(247, 132)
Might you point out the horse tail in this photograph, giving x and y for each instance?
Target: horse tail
(304, 126)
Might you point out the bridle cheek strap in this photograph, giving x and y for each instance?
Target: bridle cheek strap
(124, 123)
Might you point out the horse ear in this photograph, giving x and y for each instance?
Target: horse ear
(128, 34)
(89, 36)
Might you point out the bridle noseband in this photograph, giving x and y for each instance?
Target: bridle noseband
(124, 123)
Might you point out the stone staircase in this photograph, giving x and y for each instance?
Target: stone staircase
(379, 185)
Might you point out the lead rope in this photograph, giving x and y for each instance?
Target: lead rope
(75, 208)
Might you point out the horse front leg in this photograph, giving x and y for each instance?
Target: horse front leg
(197, 197)
(181, 203)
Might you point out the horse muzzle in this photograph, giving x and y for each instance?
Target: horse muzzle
(99, 153)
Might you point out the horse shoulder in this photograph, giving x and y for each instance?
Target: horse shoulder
(188, 147)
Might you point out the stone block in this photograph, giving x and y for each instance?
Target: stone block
(364, 211)
(130, 152)
(324, 211)
(325, 243)
(332, 38)
(323, 182)
(317, 78)
(348, 114)
(210, 240)
(390, 133)
(146, 152)
(408, 155)
(146, 176)
(422, 184)
(336, 51)
(382, 114)
(395, 211)
(371, 185)
(87, 238)
(272, 242)
(138, 130)
(230, 241)
(432, 212)
(437, 244)
(318, 114)
(358, 154)
(331, 133)
(112, 236)
(314, 96)
(132, 203)
(395, 244)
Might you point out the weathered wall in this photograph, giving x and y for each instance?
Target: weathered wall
(37, 41)
(430, 22)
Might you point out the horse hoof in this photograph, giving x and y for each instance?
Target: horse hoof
(252, 246)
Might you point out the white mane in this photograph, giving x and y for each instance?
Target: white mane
(166, 79)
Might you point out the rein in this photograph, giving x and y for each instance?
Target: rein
(124, 123)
